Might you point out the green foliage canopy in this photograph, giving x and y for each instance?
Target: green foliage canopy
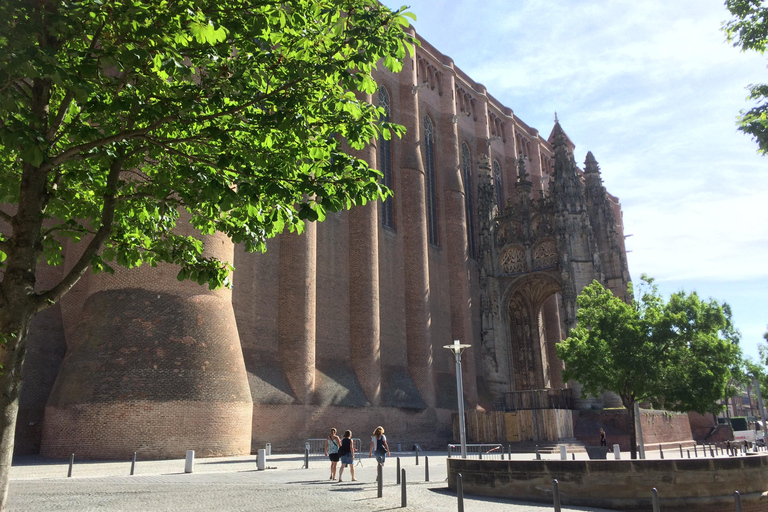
(117, 116)
(677, 354)
(748, 29)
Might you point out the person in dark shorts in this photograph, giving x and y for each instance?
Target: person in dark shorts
(332, 445)
(602, 438)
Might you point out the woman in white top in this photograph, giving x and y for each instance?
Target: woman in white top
(379, 445)
(332, 444)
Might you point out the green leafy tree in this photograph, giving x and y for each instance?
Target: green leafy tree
(119, 119)
(677, 354)
(748, 30)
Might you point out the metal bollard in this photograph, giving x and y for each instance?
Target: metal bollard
(563, 453)
(480, 453)
(573, 456)
(71, 463)
(133, 463)
(417, 455)
(426, 468)
(449, 451)
(737, 499)
(403, 497)
(261, 459)
(189, 462)
(681, 450)
(268, 449)
(538, 455)
(510, 452)
(655, 499)
(661, 453)
(695, 451)
(711, 451)
(379, 481)
(689, 453)
(556, 495)
(398, 471)
(460, 492)
(306, 458)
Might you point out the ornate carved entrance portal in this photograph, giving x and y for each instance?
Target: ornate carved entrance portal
(536, 253)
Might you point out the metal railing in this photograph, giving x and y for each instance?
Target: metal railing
(317, 447)
(478, 451)
(537, 399)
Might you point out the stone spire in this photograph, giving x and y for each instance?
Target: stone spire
(567, 188)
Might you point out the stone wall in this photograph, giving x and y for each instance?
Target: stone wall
(696, 485)
(659, 427)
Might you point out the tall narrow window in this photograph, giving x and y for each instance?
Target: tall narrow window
(497, 185)
(429, 167)
(385, 162)
(466, 167)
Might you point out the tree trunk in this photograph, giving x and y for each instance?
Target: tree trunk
(632, 431)
(13, 352)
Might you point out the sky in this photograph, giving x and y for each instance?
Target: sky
(652, 88)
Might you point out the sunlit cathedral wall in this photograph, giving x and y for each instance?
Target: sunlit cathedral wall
(344, 325)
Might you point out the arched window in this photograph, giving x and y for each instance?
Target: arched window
(466, 167)
(429, 167)
(497, 185)
(385, 162)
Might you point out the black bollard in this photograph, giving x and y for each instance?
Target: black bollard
(655, 499)
(306, 458)
(689, 454)
(661, 453)
(403, 497)
(426, 468)
(133, 463)
(711, 451)
(398, 471)
(573, 456)
(695, 451)
(510, 452)
(71, 463)
(379, 481)
(460, 492)
(681, 450)
(449, 451)
(417, 455)
(737, 499)
(556, 495)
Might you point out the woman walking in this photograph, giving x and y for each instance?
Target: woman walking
(347, 453)
(332, 445)
(379, 446)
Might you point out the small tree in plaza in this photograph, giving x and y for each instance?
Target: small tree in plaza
(677, 355)
(119, 117)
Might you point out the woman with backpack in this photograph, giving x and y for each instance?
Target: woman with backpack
(379, 445)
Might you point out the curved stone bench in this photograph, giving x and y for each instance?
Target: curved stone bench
(683, 485)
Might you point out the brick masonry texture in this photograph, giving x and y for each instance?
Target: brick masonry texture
(345, 324)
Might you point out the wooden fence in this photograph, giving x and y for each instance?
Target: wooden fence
(526, 425)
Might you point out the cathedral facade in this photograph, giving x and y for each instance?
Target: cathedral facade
(491, 233)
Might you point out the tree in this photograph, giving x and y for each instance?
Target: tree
(118, 119)
(677, 355)
(749, 30)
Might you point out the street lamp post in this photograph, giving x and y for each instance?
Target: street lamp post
(457, 348)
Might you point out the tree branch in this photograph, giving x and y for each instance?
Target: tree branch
(53, 295)
(56, 122)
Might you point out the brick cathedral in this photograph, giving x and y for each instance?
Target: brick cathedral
(492, 232)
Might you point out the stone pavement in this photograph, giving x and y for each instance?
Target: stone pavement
(234, 484)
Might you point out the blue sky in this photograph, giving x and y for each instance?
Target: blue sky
(653, 90)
